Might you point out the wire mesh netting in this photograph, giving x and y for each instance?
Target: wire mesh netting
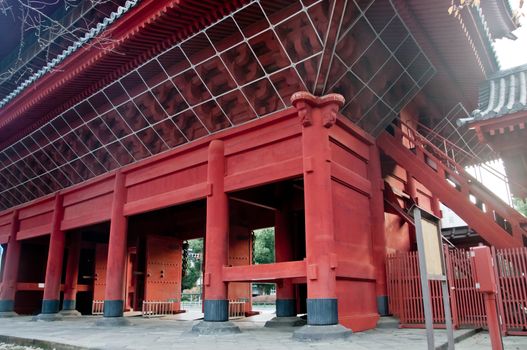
(245, 66)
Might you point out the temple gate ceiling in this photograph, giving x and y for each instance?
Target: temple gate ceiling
(243, 67)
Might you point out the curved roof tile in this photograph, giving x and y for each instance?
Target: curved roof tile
(504, 93)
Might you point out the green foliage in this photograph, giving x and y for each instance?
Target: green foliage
(263, 253)
(520, 206)
(263, 244)
(193, 271)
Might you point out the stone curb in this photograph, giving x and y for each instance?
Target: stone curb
(44, 344)
(460, 338)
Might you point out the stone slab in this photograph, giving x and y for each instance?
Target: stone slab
(310, 333)
(215, 328)
(280, 322)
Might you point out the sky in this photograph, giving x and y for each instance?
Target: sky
(513, 53)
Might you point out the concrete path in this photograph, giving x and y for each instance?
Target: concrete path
(173, 333)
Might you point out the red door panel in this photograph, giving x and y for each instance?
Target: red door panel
(163, 269)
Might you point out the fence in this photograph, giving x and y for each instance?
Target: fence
(158, 308)
(236, 308)
(511, 270)
(97, 307)
(468, 308)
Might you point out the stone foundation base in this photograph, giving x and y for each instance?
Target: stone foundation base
(279, 322)
(317, 333)
(48, 317)
(215, 328)
(112, 322)
(70, 313)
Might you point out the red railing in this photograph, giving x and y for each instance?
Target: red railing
(404, 288)
(467, 304)
(449, 170)
(511, 268)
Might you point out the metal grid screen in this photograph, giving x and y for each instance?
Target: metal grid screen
(243, 67)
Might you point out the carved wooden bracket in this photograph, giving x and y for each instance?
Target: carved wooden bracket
(329, 105)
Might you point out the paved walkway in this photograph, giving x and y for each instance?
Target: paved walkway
(173, 333)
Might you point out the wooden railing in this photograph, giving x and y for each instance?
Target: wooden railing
(156, 308)
(468, 308)
(236, 308)
(97, 307)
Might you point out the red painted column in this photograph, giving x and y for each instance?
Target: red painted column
(285, 292)
(10, 274)
(216, 305)
(493, 321)
(51, 301)
(72, 273)
(318, 115)
(436, 207)
(377, 229)
(411, 188)
(117, 252)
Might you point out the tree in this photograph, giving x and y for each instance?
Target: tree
(263, 246)
(263, 252)
(193, 267)
(49, 31)
(520, 206)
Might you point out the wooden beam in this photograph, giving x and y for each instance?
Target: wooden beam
(264, 272)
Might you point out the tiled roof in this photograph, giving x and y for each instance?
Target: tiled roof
(502, 94)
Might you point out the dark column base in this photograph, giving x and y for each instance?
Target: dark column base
(215, 328)
(382, 305)
(321, 333)
(68, 308)
(113, 308)
(50, 309)
(112, 322)
(8, 314)
(50, 306)
(284, 322)
(388, 322)
(285, 307)
(7, 306)
(216, 310)
(322, 312)
(69, 304)
(48, 317)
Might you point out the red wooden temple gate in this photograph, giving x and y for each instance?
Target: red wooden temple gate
(468, 308)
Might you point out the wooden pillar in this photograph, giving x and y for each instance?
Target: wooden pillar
(72, 272)
(117, 252)
(51, 301)
(285, 292)
(10, 273)
(436, 207)
(377, 229)
(318, 115)
(216, 304)
(3, 248)
(411, 188)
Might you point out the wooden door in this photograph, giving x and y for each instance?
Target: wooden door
(163, 270)
(240, 253)
(99, 283)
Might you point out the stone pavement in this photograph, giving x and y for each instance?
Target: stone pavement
(173, 333)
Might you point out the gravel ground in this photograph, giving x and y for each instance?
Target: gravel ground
(4, 346)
